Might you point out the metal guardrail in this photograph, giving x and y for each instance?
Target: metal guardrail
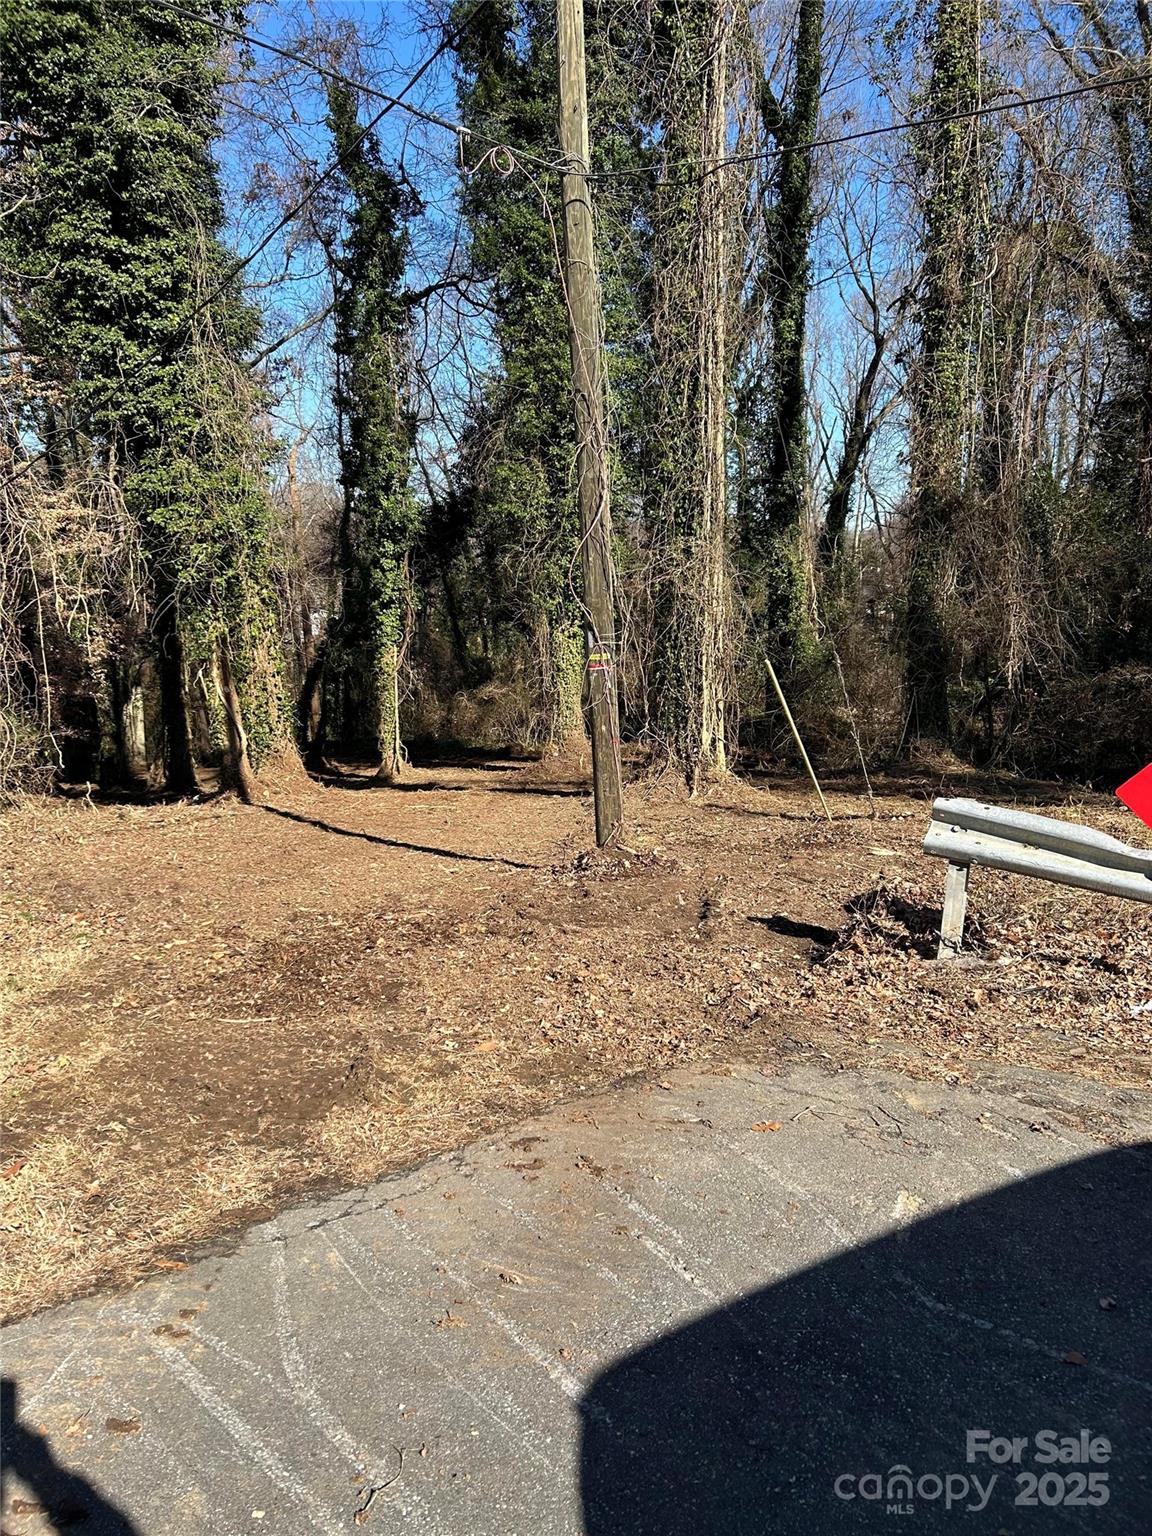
(965, 833)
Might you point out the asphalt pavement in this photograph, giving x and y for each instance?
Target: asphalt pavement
(726, 1304)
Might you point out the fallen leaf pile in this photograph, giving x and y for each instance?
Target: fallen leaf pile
(1057, 988)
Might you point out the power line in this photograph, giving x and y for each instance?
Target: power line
(517, 152)
(421, 114)
(905, 125)
(447, 41)
(233, 270)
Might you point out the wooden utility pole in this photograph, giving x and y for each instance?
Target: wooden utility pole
(585, 335)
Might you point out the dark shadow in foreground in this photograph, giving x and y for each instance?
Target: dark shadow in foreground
(797, 1408)
(65, 1500)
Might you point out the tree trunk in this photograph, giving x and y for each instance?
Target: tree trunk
(109, 724)
(179, 763)
(690, 326)
(776, 490)
(560, 665)
(310, 714)
(309, 674)
(857, 436)
(1143, 497)
(452, 609)
(386, 701)
(237, 769)
(134, 735)
(713, 419)
(120, 709)
(942, 393)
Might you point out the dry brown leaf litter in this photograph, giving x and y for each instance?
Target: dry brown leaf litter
(210, 1008)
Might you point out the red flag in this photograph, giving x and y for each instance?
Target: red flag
(1136, 794)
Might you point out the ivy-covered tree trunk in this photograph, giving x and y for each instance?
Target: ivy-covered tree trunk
(520, 448)
(774, 428)
(519, 453)
(381, 517)
(859, 427)
(688, 475)
(133, 328)
(943, 385)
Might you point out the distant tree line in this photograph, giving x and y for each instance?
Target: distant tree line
(878, 332)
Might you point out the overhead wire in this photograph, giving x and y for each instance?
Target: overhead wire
(522, 153)
(518, 156)
(317, 66)
(903, 125)
(450, 38)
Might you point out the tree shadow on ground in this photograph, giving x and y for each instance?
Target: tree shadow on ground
(558, 791)
(809, 1406)
(362, 777)
(64, 1499)
(139, 793)
(905, 926)
(392, 842)
(438, 785)
(791, 928)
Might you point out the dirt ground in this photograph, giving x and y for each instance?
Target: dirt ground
(210, 1008)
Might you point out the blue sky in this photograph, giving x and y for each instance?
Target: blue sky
(266, 163)
(275, 143)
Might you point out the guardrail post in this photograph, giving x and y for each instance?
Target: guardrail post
(955, 906)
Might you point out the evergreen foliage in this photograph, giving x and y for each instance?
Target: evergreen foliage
(943, 393)
(381, 516)
(773, 405)
(134, 327)
(519, 454)
(971, 385)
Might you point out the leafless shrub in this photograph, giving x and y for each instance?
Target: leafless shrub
(71, 599)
